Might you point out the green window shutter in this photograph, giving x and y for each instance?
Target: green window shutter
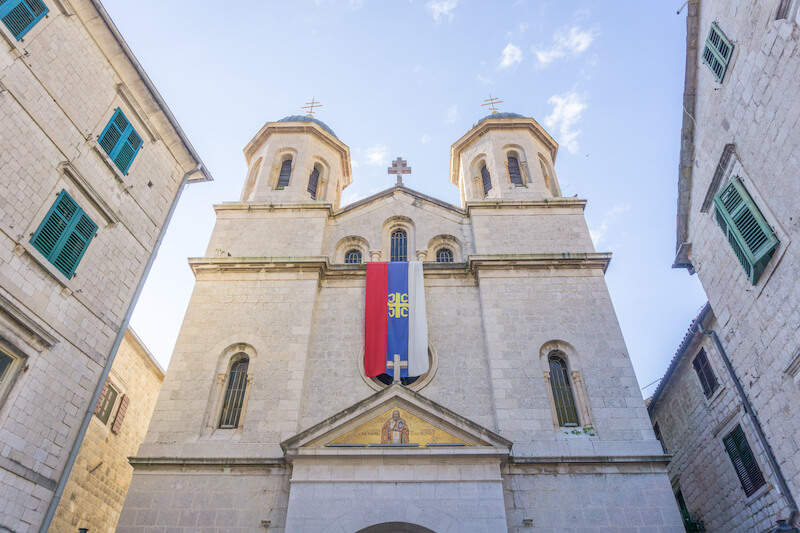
(120, 141)
(64, 234)
(717, 52)
(743, 461)
(751, 238)
(19, 16)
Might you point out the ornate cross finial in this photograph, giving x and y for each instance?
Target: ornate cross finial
(490, 102)
(310, 106)
(399, 167)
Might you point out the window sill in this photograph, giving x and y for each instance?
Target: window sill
(757, 495)
(715, 395)
(108, 162)
(47, 266)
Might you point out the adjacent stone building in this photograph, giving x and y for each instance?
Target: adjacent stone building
(738, 229)
(99, 481)
(92, 163)
(529, 417)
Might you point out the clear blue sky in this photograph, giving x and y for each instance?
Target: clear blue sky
(407, 78)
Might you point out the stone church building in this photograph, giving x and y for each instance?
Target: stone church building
(529, 418)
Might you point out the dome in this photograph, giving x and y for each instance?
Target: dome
(500, 115)
(304, 118)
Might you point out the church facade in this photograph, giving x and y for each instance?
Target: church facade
(528, 419)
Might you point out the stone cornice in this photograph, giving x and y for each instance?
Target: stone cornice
(539, 261)
(294, 206)
(138, 462)
(516, 204)
(590, 459)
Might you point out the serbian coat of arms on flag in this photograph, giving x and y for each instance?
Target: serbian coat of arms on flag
(394, 320)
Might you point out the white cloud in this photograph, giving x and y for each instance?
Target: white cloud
(567, 111)
(441, 9)
(356, 4)
(512, 55)
(376, 155)
(425, 139)
(568, 43)
(599, 235)
(484, 80)
(452, 114)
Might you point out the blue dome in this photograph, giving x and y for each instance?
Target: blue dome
(304, 118)
(500, 115)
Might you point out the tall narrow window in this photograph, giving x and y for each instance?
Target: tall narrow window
(743, 461)
(120, 141)
(106, 402)
(353, 257)
(444, 255)
(706, 374)
(562, 392)
(313, 181)
(19, 16)
(657, 433)
(286, 173)
(546, 175)
(399, 245)
(717, 52)
(486, 179)
(234, 394)
(64, 234)
(513, 170)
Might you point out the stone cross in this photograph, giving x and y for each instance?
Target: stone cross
(310, 106)
(399, 167)
(397, 365)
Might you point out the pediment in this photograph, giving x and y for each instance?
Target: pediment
(402, 190)
(419, 424)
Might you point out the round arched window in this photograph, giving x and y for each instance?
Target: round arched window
(399, 242)
(352, 257)
(415, 383)
(444, 255)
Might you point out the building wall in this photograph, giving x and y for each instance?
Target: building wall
(99, 481)
(58, 90)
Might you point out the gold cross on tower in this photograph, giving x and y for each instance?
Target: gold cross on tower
(399, 167)
(310, 106)
(491, 102)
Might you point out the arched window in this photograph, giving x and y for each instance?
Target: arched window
(399, 245)
(562, 391)
(513, 170)
(487, 180)
(234, 394)
(313, 181)
(444, 255)
(286, 173)
(353, 257)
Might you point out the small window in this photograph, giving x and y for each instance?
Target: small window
(286, 173)
(657, 433)
(788, 10)
(234, 394)
(486, 179)
(743, 461)
(562, 392)
(20, 16)
(706, 374)
(399, 244)
(513, 171)
(353, 257)
(313, 181)
(9, 363)
(717, 52)
(120, 141)
(64, 234)
(745, 228)
(444, 255)
(108, 398)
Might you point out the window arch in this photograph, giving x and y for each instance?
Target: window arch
(285, 173)
(444, 255)
(399, 245)
(563, 396)
(486, 179)
(233, 401)
(514, 171)
(416, 383)
(566, 391)
(352, 257)
(251, 180)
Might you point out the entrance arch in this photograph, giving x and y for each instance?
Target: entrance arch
(395, 527)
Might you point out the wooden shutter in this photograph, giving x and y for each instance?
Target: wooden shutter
(123, 408)
(64, 234)
(487, 180)
(751, 238)
(120, 141)
(513, 170)
(286, 173)
(717, 52)
(102, 397)
(19, 16)
(313, 181)
(705, 373)
(743, 461)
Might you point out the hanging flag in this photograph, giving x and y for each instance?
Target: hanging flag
(394, 320)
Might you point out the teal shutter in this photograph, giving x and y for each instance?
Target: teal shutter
(120, 141)
(743, 461)
(64, 234)
(20, 16)
(751, 238)
(717, 52)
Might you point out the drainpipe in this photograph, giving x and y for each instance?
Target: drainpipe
(73, 454)
(783, 486)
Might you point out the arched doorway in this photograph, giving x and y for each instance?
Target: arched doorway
(395, 527)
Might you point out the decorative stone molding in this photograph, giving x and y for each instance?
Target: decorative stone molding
(68, 170)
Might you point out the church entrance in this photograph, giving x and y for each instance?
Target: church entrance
(395, 527)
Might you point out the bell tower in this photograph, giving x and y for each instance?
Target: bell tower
(504, 156)
(295, 160)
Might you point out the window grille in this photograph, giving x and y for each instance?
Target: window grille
(286, 173)
(743, 461)
(751, 238)
(486, 179)
(513, 170)
(313, 181)
(562, 392)
(717, 52)
(353, 257)
(120, 141)
(64, 234)
(399, 245)
(234, 395)
(706, 374)
(19, 16)
(444, 255)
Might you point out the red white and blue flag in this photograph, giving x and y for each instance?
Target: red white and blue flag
(395, 320)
